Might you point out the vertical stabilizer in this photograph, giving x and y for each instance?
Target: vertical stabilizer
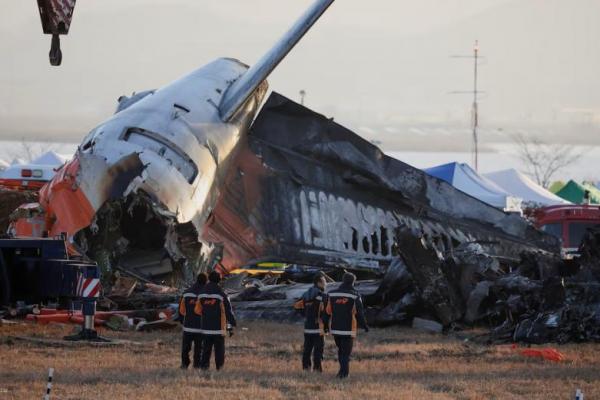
(242, 89)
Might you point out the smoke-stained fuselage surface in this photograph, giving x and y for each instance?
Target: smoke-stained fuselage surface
(307, 190)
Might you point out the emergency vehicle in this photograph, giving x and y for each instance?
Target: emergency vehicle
(568, 223)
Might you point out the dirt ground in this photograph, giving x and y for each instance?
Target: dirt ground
(263, 363)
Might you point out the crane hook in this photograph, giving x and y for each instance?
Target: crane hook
(55, 53)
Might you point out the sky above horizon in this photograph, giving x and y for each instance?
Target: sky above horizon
(374, 66)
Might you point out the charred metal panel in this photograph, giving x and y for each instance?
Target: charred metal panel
(308, 190)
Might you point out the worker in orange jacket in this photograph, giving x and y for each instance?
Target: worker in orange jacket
(217, 320)
(192, 323)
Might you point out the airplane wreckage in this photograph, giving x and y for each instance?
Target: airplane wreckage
(197, 176)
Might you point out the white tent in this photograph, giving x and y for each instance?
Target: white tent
(50, 158)
(3, 165)
(18, 161)
(465, 179)
(517, 184)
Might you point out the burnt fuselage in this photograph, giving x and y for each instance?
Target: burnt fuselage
(307, 190)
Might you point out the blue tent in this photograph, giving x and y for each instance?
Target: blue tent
(465, 179)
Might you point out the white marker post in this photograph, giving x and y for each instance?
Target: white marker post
(49, 385)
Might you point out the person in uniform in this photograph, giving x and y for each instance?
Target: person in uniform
(312, 304)
(346, 312)
(217, 320)
(191, 323)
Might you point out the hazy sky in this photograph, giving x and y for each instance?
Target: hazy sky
(373, 65)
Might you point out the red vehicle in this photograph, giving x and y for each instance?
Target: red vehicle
(568, 223)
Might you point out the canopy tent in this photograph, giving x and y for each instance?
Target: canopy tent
(574, 192)
(17, 161)
(519, 185)
(50, 158)
(3, 165)
(465, 179)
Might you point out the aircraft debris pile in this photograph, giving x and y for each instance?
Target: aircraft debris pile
(131, 294)
(536, 299)
(254, 300)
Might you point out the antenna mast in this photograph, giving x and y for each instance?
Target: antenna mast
(475, 107)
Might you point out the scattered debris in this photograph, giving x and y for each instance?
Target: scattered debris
(119, 322)
(427, 325)
(536, 298)
(123, 286)
(9, 201)
(275, 302)
(549, 354)
(160, 324)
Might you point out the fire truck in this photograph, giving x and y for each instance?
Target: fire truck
(568, 223)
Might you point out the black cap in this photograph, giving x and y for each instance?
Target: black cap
(214, 277)
(318, 277)
(202, 278)
(349, 278)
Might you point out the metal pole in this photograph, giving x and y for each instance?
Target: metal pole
(475, 106)
(88, 322)
(302, 94)
(49, 385)
(475, 109)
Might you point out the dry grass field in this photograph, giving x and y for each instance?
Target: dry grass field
(263, 363)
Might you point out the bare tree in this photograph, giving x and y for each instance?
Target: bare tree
(28, 151)
(544, 160)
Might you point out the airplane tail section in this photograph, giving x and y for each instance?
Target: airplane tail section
(242, 89)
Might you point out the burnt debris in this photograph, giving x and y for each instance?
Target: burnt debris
(537, 298)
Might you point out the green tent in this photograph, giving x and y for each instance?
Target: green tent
(574, 192)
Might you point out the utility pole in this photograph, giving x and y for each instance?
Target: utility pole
(475, 107)
(302, 94)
